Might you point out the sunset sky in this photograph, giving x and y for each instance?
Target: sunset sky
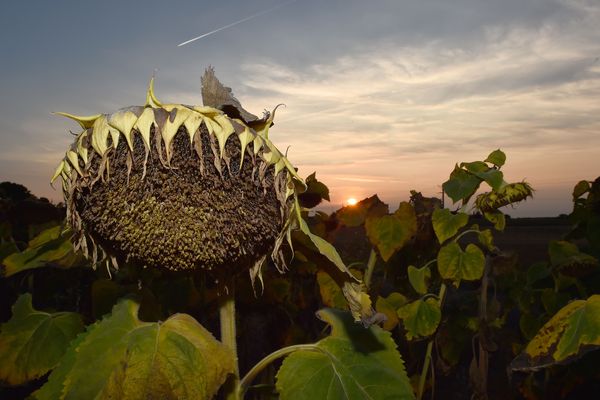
(381, 96)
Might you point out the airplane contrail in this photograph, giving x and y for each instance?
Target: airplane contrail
(237, 22)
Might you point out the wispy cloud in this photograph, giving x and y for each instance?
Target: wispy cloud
(381, 96)
(533, 92)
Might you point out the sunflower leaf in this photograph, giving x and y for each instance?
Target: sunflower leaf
(446, 224)
(420, 318)
(571, 332)
(455, 264)
(32, 342)
(123, 357)
(352, 363)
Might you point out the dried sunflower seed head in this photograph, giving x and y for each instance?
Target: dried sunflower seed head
(509, 194)
(178, 187)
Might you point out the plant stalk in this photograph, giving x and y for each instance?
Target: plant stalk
(423, 376)
(370, 267)
(228, 338)
(262, 364)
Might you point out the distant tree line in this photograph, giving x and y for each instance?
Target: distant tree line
(24, 214)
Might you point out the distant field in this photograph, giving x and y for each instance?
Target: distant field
(529, 237)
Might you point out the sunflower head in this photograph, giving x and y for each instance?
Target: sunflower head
(178, 187)
(508, 194)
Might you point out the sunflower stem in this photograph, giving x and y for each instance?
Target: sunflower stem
(423, 377)
(262, 364)
(228, 338)
(370, 267)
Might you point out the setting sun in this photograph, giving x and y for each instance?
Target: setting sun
(351, 201)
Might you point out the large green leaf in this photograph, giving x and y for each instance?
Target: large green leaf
(32, 342)
(420, 318)
(455, 264)
(352, 363)
(446, 224)
(48, 248)
(569, 334)
(389, 233)
(122, 357)
(461, 185)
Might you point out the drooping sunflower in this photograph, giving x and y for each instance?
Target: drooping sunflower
(508, 194)
(178, 187)
(188, 188)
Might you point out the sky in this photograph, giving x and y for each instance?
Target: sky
(381, 96)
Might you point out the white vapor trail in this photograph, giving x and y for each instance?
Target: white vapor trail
(237, 22)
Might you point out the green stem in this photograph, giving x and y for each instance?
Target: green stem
(427, 361)
(370, 267)
(456, 239)
(429, 263)
(228, 338)
(262, 364)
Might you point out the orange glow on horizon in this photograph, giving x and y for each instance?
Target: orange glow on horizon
(351, 201)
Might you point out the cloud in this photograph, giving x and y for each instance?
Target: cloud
(531, 91)
(381, 97)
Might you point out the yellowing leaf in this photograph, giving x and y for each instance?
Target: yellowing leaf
(570, 333)
(32, 342)
(123, 357)
(144, 123)
(420, 318)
